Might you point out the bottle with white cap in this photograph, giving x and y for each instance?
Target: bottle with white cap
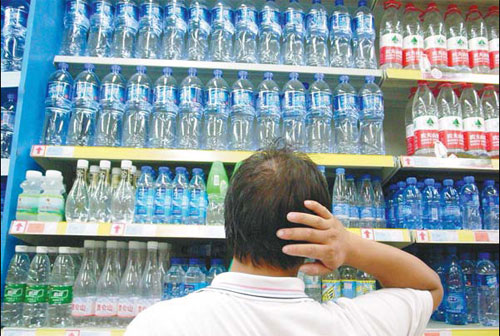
(129, 286)
(15, 288)
(122, 201)
(142, 256)
(108, 288)
(115, 178)
(51, 201)
(122, 254)
(151, 280)
(100, 252)
(27, 202)
(61, 290)
(84, 289)
(100, 199)
(76, 254)
(37, 285)
(77, 204)
(93, 178)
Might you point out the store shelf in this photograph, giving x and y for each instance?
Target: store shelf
(11, 79)
(455, 236)
(447, 164)
(392, 76)
(5, 167)
(443, 329)
(395, 237)
(62, 332)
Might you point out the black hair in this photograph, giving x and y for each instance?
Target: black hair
(265, 188)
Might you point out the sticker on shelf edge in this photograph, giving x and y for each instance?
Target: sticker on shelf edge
(117, 229)
(18, 227)
(38, 150)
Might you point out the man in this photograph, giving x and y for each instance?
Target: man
(276, 213)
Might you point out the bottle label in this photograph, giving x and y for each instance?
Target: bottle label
(317, 22)
(51, 205)
(217, 97)
(340, 210)
(180, 202)
(367, 212)
(198, 204)
(294, 21)
(435, 49)
(365, 287)
(176, 16)
(295, 99)
(372, 104)
(242, 98)
(349, 289)
(353, 212)
(246, 18)
(450, 132)
(413, 49)
(86, 91)
(426, 131)
(455, 303)
(138, 93)
(474, 136)
(268, 100)
(59, 90)
(321, 100)
(479, 52)
(127, 307)
(199, 19)
(166, 95)
(410, 140)
(173, 290)
(36, 294)
(112, 92)
(27, 205)
(191, 95)
(127, 15)
(364, 24)
(60, 295)
(492, 136)
(144, 199)
(14, 293)
(380, 213)
(494, 53)
(151, 16)
(162, 202)
(143, 304)
(77, 13)
(193, 287)
(391, 49)
(452, 211)
(102, 15)
(223, 18)
(83, 306)
(331, 290)
(106, 306)
(344, 104)
(271, 18)
(458, 51)
(340, 23)
(14, 18)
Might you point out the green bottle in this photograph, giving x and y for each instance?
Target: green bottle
(217, 185)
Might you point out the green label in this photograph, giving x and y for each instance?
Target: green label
(14, 293)
(36, 294)
(60, 294)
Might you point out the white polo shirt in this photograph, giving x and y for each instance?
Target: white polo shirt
(238, 304)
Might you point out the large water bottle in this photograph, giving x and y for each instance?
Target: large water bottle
(435, 37)
(353, 199)
(190, 112)
(474, 129)
(469, 270)
(345, 115)
(317, 35)
(37, 288)
(268, 111)
(162, 207)
(340, 197)
(487, 287)
(15, 288)
(391, 36)
(101, 28)
(340, 37)
(412, 206)
(122, 201)
(217, 184)
(491, 19)
(180, 197)
(173, 283)
(450, 119)
(57, 106)
(367, 214)
(112, 100)
(319, 117)
(292, 48)
(174, 29)
(489, 202)
(198, 31)
(7, 128)
(129, 286)
(108, 288)
(450, 210)
(270, 34)
(198, 199)
(84, 289)
(60, 295)
(456, 304)
(194, 279)
(379, 202)
(126, 26)
(14, 28)
(247, 31)
(216, 112)
(439, 264)
(294, 112)
(222, 32)
(431, 219)
(144, 196)
(425, 120)
(413, 37)
(457, 41)
(51, 201)
(27, 202)
(477, 32)
(490, 102)
(371, 126)
(151, 281)
(138, 110)
(77, 203)
(470, 203)
(163, 121)
(363, 43)
(242, 117)
(150, 29)
(76, 27)
(409, 127)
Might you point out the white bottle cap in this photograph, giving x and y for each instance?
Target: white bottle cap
(126, 164)
(134, 245)
(94, 169)
(74, 250)
(143, 245)
(31, 249)
(33, 174)
(41, 249)
(164, 246)
(21, 249)
(112, 244)
(100, 244)
(64, 250)
(89, 244)
(105, 164)
(53, 249)
(122, 244)
(133, 170)
(81, 250)
(116, 171)
(152, 245)
(53, 173)
(82, 164)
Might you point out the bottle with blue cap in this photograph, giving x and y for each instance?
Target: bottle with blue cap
(317, 35)
(8, 118)
(173, 283)
(163, 121)
(242, 117)
(198, 198)
(487, 288)
(390, 214)
(489, 202)
(319, 116)
(247, 31)
(174, 29)
(163, 192)
(470, 204)
(340, 37)
(364, 37)
(101, 28)
(293, 47)
(345, 115)
(268, 111)
(216, 113)
(198, 31)
(469, 270)
(412, 206)
(216, 268)
(379, 203)
(270, 34)
(190, 111)
(340, 199)
(222, 32)
(194, 279)
(14, 29)
(150, 29)
(126, 27)
(399, 207)
(367, 214)
(431, 218)
(294, 112)
(456, 304)
(371, 125)
(76, 26)
(180, 197)
(144, 196)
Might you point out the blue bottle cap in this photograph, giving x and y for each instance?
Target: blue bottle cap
(484, 255)
(429, 181)
(11, 96)
(306, 85)
(292, 1)
(319, 76)
(469, 179)
(89, 67)
(316, 1)
(487, 183)
(268, 75)
(344, 79)
(401, 184)
(411, 180)
(63, 66)
(369, 79)
(293, 76)
(366, 177)
(163, 170)
(197, 171)
(448, 183)
(194, 261)
(167, 71)
(176, 261)
(116, 68)
(339, 171)
(349, 177)
(218, 73)
(339, 2)
(180, 170)
(146, 169)
(242, 74)
(362, 3)
(192, 72)
(141, 69)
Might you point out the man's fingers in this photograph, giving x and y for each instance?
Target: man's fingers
(315, 268)
(318, 209)
(304, 234)
(312, 251)
(308, 219)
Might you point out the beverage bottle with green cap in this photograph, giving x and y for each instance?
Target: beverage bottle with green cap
(37, 285)
(60, 295)
(217, 185)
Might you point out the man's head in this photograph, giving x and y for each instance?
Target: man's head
(266, 187)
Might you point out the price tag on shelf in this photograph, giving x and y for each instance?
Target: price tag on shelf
(72, 333)
(439, 333)
(408, 161)
(77, 229)
(422, 236)
(481, 236)
(493, 236)
(17, 227)
(18, 332)
(388, 235)
(38, 150)
(60, 151)
(117, 229)
(367, 234)
(443, 236)
(35, 227)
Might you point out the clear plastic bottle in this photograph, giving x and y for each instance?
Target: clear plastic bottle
(162, 208)
(341, 54)
(399, 205)
(365, 283)
(425, 120)
(431, 219)
(217, 184)
(470, 203)
(27, 202)
(371, 126)
(477, 32)
(474, 128)
(268, 111)
(367, 214)
(222, 32)
(457, 41)
(489, 202)
(293, 43)
(76, 27)
(84, 288)
(164, 250)
(294, 112)
(242, 117)
(122, 201)
(93, 178)
(144, 196)
(247, 31)
(435, 37)
(439, 264)
(450, 119)
(198, 199)
(487, 286)
(175, 27)
(180, 197)
(319, 116)
(100, 201)
(150, 29)
(390, 208)
(331, 286)
(216, 268)
(101, 28)
(115, 179)
(379, 202)
(469, 270)
(129, 294)
(491, 19)
(216, 113)
(37, 287)
(51, 201)
(348, 276)
(312, 283)
(77, 203)
(14, 29)
(340, 199)
(413, 37)
(364, 34)
(450, 210)
(352, 197)
(173, 284)
(456, 304)
(8, 118)
(490, 103)
(409, 127)
(150, 285)
(346, 116)
(194, 279)
(190, 112)
(198, 31)
(60, 295)
(412, 206)
(391, 36)
(317, 35)
(126, 27)
(108, 288)
(270, 33)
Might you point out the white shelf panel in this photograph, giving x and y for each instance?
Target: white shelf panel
(455, 236)
(5, 167)
(11, 79)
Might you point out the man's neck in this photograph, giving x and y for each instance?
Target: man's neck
(243, 267)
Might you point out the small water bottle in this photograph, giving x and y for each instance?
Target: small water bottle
(469, 270)
(222, 32)
(451, 212)
(431, 219)
(456, 304)
(76, 27)
(317, 35)
(364, 37)
(294, 112)
(366, 199)
(270, 33)
(341, 37)
(242, 117)
(470, 203)
(150, 29)
(319, 116)
(268, 111)
(345, 115)
(77, 203)
(216, 113)
(144, 196)
(293, 45)
(411, 214)
(7, 128)
(194, 279)
(379, 203)
(180, 197)
(245, 42)
(371, 126)
(198, 31)
(126, 26)
(340, 199)
(190, 112)
(489, 202)
(37, 287)
(163, 121)
(123, 199)
(487, 287)
(173, 283)
(101, 28)
(174, 29)
(162, 206)
(198, 199)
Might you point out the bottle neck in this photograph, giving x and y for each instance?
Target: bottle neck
(81, 177)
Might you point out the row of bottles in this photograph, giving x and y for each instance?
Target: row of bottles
(14, 28)
(7, 124)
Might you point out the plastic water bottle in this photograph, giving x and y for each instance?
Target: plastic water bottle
(51, 201)
(379, 202)
(108, 288)
(366, 198)
(435, 37)
(27, 202)
(489, 202)
(469, 270)
(457, 41)
(126, 27)
(341, 55)
(319, 116)
(365, 283)
(399, 205)
(340, 199)
(345, 115)
(268, 111)
(352, 198)
(222, 32)
(470, 203)
(198, 200)
(7, 128)
(412, 208)
(163, 121)
(180, 197)
(144, 196)
(425, 120)
(456, 304)
(216, 268)
(112, 100)
(150, 29)
(164, 250)
(487, 286)
(122, 201)
(413, 37)
(138, 110)
(242, 117)
(15, 288)
(247, 31)
(490, 104)
(364, 34)
(312, 284)
(14, 28)
(216, 113)
(390, 213)
(439, 264)
(57, 106)
(60, 294)
(93, 178)
(129, 286)
(391, 36)
(198, 31)
(450, 119)
(431, 219)
(151, 281)
(317, 35)
(173, 284)
(77, 203)
(409, 127)
(84, 288)
(331, 286)
(371, 126)
(270, 33)
(477, 32)
(37, 287)
(474, 130)
(294, 112)
(162, 207)
(101, 28)
(348, 276)
(190, 112)
(451, 212)
(217, 184)
(194, 279)
(175, 27)
(292, 48)
(76, 27)
(491, 19)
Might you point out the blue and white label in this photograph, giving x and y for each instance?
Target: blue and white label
(217, 96)
(198, 205)
(191, 95)
(296, 99)
(176, 16)
(353, 212)
(112, 92)
(162, 202)
(294, 21)
(180, 203)
(242, 98)
(166, 95)
(173, 290)
(144, 199)
(372, 103)
(86, 91)
(246, 18)
(138, 93)
(366, 212)
(364, 25)
(344, 103)
(193, 287)
(321, 100)
(102, 15)
(340, 210)
(270, 19)
(489, 281)
(77, 13)
(349, 289)
(452, 211)
(268, 99)
(59, 90)
(340, 23)
(199, 18)
(127, 15)
(317, 22)
(151, 16)
(223, 18)
(14, 18)
(380, 213)
(455, 303)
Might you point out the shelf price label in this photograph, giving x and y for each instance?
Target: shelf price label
(72, 333)
(117, 229)
(389, 235)
(423, 236)
(18, 227)
(367, 234)
(38, 150)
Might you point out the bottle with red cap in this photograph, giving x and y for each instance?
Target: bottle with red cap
(413, 41)
(457, 42)
(410, 133)
(492, 24)
(450, 119)
(489, 100)
(478, 41)
(472, 112)
(425, 120)
(391, 38)
(435, 37)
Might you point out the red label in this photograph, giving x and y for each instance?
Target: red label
(391, 55)
(474, 140)
(437, 56)
(479, 58)
(425, 139)
(492, 141)
(412, 56)
(452, 139)
(494, 59)
(458, 57)
(410, 145)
